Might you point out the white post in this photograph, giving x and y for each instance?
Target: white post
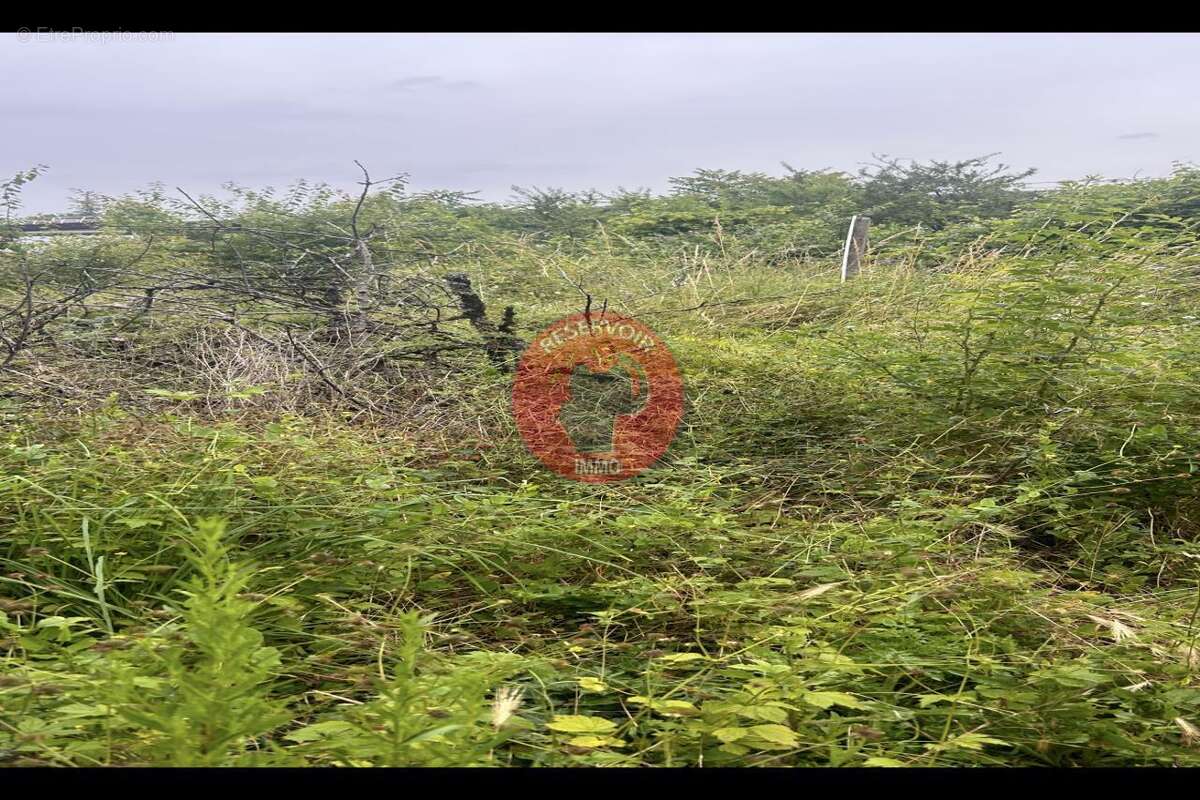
(856, 246)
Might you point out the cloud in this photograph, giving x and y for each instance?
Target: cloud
(206, 108)
(428, 82)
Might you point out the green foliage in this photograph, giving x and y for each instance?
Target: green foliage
(10, 191)
(940, 193)
(438, 715)
(209, 696)
(942, 515)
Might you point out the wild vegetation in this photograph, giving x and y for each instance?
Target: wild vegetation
(263, 501)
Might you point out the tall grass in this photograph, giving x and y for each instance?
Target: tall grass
(924, 518)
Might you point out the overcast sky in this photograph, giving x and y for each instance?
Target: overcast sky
(486, 111)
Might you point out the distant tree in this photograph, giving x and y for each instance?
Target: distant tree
(624, 200)
(805, 192)
(940, 193)
(449, 198)
(826, 193)
(722, 187)
(86, 203)
(10, 190)
(557, 212)
(1183, 194)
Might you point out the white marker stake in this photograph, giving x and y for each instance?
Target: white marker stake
(856, 246)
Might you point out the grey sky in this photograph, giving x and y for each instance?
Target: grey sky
(485, 111)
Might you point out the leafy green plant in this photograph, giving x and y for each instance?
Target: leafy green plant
(207, 703)
(430, 715)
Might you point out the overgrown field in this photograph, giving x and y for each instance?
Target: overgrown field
(945, 514)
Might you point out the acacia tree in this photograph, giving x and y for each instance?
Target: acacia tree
(940, 193)
(557, 212)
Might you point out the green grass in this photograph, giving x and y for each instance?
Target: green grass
(862, 549)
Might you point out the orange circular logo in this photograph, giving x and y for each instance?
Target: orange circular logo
(597, 397)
